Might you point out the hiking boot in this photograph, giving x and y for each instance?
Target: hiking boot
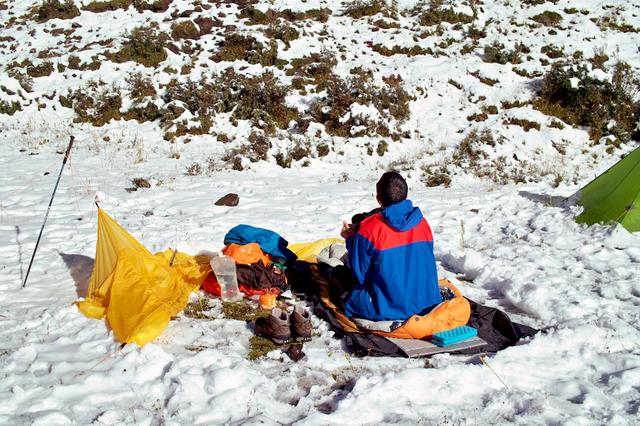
(276, 327)
(301, 323)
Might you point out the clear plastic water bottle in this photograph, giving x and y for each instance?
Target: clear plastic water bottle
(224, 267)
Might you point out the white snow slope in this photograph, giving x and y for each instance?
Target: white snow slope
(507, 246)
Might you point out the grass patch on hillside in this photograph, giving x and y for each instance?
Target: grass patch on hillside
(521, 122)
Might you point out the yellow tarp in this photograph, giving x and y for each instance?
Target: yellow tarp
(138, 291)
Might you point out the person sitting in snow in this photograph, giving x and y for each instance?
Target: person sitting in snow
(390, 252)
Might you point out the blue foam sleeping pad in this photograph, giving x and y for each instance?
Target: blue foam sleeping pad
(455, 335)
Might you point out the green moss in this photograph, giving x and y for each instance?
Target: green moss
(259, 347)
(242, 311)
(198, 308)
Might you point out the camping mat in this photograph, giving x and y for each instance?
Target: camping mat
(416, 348)
(494, 327)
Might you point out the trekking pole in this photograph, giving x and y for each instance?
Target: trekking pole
(46, 216)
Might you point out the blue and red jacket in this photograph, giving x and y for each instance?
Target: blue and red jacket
(392, 260)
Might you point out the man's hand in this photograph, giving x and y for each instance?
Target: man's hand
(347, 230)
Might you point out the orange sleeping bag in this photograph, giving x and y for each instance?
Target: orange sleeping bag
(449, 314)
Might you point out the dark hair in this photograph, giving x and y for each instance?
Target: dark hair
(391, 189)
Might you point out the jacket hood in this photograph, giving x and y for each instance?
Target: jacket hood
(402, 216)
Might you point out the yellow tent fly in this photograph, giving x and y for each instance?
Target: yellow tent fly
(137, 291)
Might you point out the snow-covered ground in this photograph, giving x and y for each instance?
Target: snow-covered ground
(509, 246)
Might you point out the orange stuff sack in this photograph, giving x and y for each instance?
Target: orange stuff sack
(247, 254)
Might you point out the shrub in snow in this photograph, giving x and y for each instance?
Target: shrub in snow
(185, 30)
(571, 93)
(260, 99)
(435, 176)
(41, 70)
(360, 8)
(55, 9)
(283, 32)
(379, 105)
(140, 5)
(548, 18)
(435, 14)
(257, 17)
(95, 104)
(10, 108)
(497, 53)
(315, 69)
(238, 47)
(140, 86)
(144, 45)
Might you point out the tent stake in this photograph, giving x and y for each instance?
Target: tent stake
(55, 188)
